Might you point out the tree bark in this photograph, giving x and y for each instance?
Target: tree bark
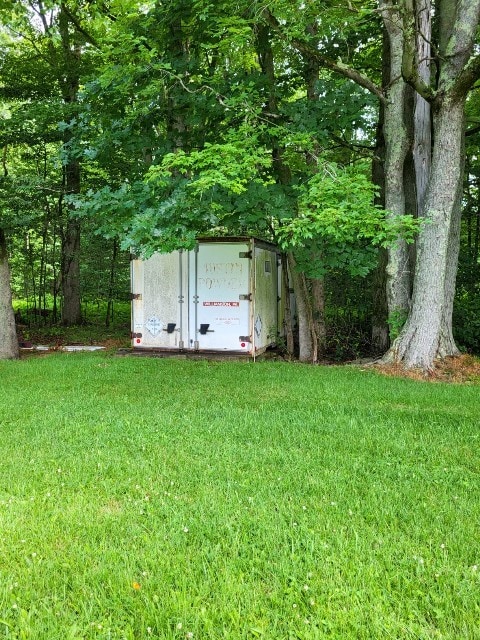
(289, 337)
(307, 336)
(111, 284)
(380, 334)
(306, 329)
(8, 334)
(69, 82)
(317, 286)
(427, 333)
(71, 308)
(70, 263)
(398, 141)
(422, 126)
(447, 345)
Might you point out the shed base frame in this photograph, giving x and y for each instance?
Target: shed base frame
(189, 354)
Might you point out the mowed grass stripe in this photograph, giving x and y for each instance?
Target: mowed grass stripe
(162, 498)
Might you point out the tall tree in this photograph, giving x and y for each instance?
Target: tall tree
(69, 81)
(428, 331)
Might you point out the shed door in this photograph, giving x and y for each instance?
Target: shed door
(219, 315)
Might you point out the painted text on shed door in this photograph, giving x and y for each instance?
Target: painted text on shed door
(220, 294)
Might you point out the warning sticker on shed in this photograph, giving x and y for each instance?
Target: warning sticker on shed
(221, 304)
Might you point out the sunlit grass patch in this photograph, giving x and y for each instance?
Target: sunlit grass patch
(170, 499)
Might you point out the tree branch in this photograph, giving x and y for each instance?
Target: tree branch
(76, 22)
(472, 131)
(313, 54)
(411, 64)
(468, 77)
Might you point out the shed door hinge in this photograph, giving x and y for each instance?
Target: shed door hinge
(245, 254)
(244, 339)
(245, 296)
(135, 296)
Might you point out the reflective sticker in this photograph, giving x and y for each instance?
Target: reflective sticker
(154, 325)
(258, 326)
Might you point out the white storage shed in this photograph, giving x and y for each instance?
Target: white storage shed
(225, 295)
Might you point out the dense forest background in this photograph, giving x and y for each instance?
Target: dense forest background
(146, 124)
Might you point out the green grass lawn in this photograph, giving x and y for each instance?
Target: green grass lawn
(150, 498)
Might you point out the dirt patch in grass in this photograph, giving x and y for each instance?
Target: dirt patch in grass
(460, 369)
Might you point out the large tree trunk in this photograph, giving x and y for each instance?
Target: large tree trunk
(424, 337)
(447, 345)
(8, 334)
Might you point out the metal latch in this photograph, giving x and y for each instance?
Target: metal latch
(245, 296)
(245, 254)
(135, 335)
(204, 329)
(244, 339)
(135, 296)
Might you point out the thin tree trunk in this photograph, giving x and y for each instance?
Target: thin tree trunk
(306, 329)
(422, 138)
(56, 285)
(311, 75)
(307, 336)
(421, 118)
(8, 333)
(317, 286)
(476, 244)
(290, 342)
(397, 143)
(69, 83)
(111, 284)
(71, 309)
(380, 334)
(31, 266)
